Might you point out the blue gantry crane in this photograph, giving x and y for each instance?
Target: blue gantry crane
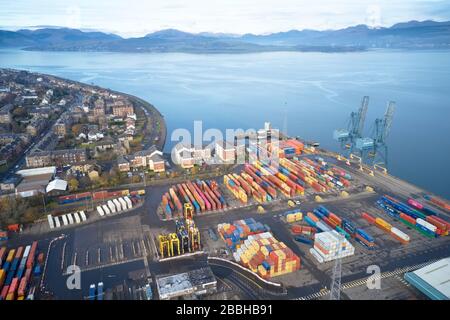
(381, 133)
(347, 137)
(373, 150)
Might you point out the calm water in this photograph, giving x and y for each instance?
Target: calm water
(317, 91)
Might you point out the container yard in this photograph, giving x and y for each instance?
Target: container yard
(19, 268)
(98, 196)
(257, 249)
(185, 239)
(203, 195)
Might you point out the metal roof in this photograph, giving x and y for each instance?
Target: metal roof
(433, 280)
(57, 184)
(37, 171)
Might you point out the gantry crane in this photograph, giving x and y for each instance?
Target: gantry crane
(347, 137)
(381, 133)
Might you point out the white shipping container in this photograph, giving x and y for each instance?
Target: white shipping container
(117, 204)
(106, 209)
(316, 255)
(57, 223)
(100, 211)
(323, 226)
(400, 234)
(65, 221)
(123, 204)
(426, 224)
(69, 216)
(83, 216)
(77, 217)
(111, 206)
(129, 203)
(26, 252)
(50, 221)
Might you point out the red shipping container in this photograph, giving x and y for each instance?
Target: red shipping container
(19, 253)
(14, 285)
(437, 223)
(82, 195)
(368, 217)
(22, 287)
(100, 195)
(335, 218)
(4, 292)
(28, 274)
(407, 218)
(14, 227)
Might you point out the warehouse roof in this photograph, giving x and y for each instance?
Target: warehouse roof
(184, 283)
(433, 280)
(57, 185)
(37, 171)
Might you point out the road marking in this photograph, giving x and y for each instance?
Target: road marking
(360, 282)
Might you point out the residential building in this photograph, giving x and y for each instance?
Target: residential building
(122, 110)
(225, 151)
(187, 156)
(150, 158)
(56, 157)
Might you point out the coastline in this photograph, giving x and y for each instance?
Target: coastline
(162, 133)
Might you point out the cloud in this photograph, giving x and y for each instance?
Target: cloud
(138, 17)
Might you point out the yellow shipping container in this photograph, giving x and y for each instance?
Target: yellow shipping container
(10, 256)
(383, 223)
(262, 271)
(290, 218)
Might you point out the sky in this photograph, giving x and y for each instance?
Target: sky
(138, 17)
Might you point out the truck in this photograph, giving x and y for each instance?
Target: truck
(100, 211)
(57, 223)
(106, 209)
(83, 216)
(51, 223)
(111, 206)
(77, 217)
(64, 219)
(70, 218)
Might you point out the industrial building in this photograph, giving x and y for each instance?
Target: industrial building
(189, 284)
(225, 151)
(187, 156)
(34, 181)
(432, 280)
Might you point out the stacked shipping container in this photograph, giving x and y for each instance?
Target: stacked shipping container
(204, 196)
(265, 255)
(415, 215)
(16, 270)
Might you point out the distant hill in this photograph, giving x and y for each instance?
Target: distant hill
(412, 35)
(407, 35)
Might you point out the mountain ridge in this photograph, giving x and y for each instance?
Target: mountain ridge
(408, 35)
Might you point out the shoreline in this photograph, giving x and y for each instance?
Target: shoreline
(162, 134)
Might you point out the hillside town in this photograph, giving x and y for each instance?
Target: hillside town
(59, 136)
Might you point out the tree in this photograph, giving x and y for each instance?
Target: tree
(76, 129)
(73, 184)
